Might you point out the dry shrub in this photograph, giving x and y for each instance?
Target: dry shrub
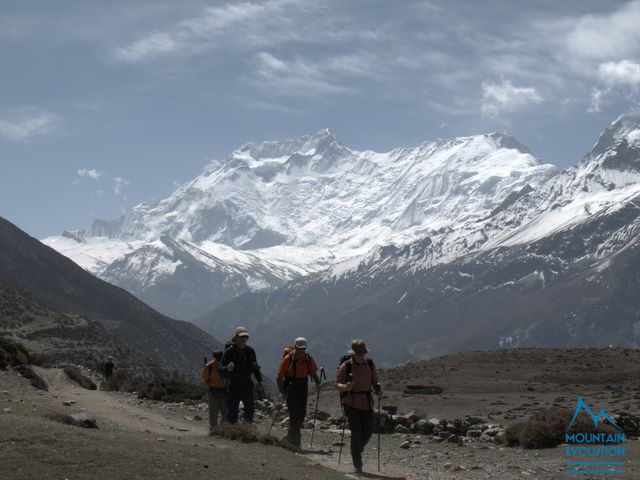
(248, 434)
(32, 376)
(59, 417)
(75, 374)
(39, 359)
(12, 353)
(547, 428)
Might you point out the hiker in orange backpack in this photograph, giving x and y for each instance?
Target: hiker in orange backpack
(217, 391)
(293, 373)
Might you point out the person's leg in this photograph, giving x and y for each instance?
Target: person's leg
(233, 404)
(223, 409)
(219, 407)
(291, 408)
(247, 402)
(355, 425)
(213, 412)
(367, 427)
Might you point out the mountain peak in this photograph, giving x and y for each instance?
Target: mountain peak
(304, 145)
(626, 127)
(506, 140)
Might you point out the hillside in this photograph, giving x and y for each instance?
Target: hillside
(57, 283)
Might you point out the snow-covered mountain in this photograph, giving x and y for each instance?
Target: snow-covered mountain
(552, 264)
(275, 211)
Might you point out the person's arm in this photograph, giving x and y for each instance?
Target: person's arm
(374, 379)
(255, 368)
(280, 374)
(313, 370)
(227, 365)
(341, 379)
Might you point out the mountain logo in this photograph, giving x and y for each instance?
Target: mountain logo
(601, 416)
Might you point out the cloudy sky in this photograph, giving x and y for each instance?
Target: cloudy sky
(106, 104)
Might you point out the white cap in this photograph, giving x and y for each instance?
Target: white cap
(301, 342)
(241, 332)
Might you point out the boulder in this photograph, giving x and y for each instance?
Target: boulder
(424, 427)
(85, 420)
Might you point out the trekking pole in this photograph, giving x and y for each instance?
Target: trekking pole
(344, 424)
(315, 414)
(378, 433)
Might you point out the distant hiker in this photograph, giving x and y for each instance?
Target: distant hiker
(293, 377)
(217, 390)
(357, 377)
(108, 368)
(238, 363)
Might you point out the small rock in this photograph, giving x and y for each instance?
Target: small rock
(197, 418)
(161, 440)
(68, 403)
(405, 445)
(6, 410)
(402, 429)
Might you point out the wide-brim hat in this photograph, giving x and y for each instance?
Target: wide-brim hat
(358, 347)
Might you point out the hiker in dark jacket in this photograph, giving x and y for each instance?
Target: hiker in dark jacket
(108, 368)
(217, 390)
(293, 375)
(238, 363)
(357, 377)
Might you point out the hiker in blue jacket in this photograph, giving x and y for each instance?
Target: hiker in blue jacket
(238, 363)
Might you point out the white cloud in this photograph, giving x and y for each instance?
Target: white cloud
(28, 122)
(623, 74)
(299, 77)
(597, 97)
(149, 47)
(245, 23)
(94, 174)
(505, 97)
(119, 184)
(614, 35)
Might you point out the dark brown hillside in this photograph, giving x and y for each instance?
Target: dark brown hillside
(63, 286)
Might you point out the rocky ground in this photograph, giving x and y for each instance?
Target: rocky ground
(145, 439)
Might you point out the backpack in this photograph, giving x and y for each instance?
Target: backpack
(290, 352)
(349, 362)
(289, 381)
(212, 376)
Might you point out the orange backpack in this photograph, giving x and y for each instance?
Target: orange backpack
(211, 375)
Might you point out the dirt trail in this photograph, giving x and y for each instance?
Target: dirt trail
(112, 408)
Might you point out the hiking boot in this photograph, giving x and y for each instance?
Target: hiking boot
(359, 469)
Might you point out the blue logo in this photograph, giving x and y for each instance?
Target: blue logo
(602, 415)
(595, 453)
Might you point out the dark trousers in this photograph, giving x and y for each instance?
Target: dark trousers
(297, 405)
(240, 392)
(361, 425)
